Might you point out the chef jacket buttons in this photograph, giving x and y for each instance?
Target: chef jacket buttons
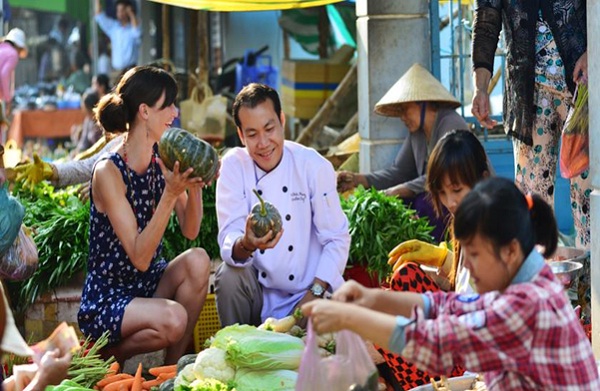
(284, 189)
(259, 192)
(262, 251)
(290, 248)
(291, 277)
(288, 217)
(263, 274)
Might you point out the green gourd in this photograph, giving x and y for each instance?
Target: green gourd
(265, 217)
(167, 385)
(185, 360)
(180, 145)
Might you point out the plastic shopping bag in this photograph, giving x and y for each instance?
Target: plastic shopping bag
(204, 114)
(11, 217)
(12, 154)
(21, 259)
(575, 143)
(350, 368)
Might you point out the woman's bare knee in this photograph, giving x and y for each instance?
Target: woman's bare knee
(172, 322)
(198, 265)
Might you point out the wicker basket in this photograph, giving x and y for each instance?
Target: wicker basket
(208, 323)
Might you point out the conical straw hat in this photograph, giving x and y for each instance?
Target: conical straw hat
(416, 85)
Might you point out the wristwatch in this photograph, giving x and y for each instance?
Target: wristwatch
(317, 290)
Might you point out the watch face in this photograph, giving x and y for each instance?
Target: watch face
(317, 290)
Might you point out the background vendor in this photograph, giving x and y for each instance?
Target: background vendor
(428, 111)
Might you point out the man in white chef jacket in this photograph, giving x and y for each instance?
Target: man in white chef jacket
(271, 276)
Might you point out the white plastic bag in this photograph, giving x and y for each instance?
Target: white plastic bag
(204, 114)
(350, 368)
(21, 259)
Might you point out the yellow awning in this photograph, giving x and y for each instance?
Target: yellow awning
(246, 5)
(462, 2)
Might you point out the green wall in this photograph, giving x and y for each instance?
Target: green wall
(77, 9)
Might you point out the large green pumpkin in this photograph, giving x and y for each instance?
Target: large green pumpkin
(265, 217)
(180, 145)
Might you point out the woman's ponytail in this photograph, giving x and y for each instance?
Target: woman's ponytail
(543, 224)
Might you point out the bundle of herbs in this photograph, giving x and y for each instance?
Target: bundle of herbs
(87, 366)
(574, 150)
(377, 223)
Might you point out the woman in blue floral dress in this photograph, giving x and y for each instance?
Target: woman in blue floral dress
(144, 302)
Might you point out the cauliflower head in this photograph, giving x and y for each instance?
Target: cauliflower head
(211, 364)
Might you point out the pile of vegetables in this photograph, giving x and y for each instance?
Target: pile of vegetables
(60, 222)
(110, 379)
(243, 358)
(115, 381)
(377, 223)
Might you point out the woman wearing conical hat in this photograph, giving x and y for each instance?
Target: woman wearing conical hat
(428, 111)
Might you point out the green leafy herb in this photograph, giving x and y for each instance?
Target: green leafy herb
(60, 222)
(377, 223)
(580, 119)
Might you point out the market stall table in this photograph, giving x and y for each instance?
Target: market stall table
(42, 123)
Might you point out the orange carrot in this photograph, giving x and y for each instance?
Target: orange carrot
(167, 375)
(119, 385)
(164, 369)
(113, 368)
(113, 378)
(148, 384)
(137, 379)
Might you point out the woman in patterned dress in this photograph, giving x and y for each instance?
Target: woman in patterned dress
(145, 303)
(546, 57)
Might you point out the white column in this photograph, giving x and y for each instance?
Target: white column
(391, 36)
(593, 27)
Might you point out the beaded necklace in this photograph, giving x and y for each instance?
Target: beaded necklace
(152, 177)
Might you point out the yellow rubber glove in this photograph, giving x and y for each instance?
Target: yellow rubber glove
(418, 252)
(31, 173)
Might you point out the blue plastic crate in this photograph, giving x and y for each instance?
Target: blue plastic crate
(262, 71)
